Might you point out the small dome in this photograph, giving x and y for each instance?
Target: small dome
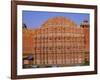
(85, 23)
(59, 21)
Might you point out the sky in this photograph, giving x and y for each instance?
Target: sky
(34, 19)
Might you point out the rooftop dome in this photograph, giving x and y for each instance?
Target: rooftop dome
(59, 21)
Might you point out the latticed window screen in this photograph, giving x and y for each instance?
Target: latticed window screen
(59, 47)
(56, 45)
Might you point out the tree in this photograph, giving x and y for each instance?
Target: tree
(86, 62)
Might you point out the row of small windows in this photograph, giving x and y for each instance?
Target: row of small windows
(72, 30)
(62, 58)
(59, 28)
(59, 38)
(64, 25)
(59, 61)
(57, 42)
(65, 41)
(61, 47)
(60, 31)
(59, 57)
(72, 54)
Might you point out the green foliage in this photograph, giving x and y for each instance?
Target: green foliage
(86, 62)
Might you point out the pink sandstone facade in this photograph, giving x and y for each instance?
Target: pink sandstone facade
(59, 41)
